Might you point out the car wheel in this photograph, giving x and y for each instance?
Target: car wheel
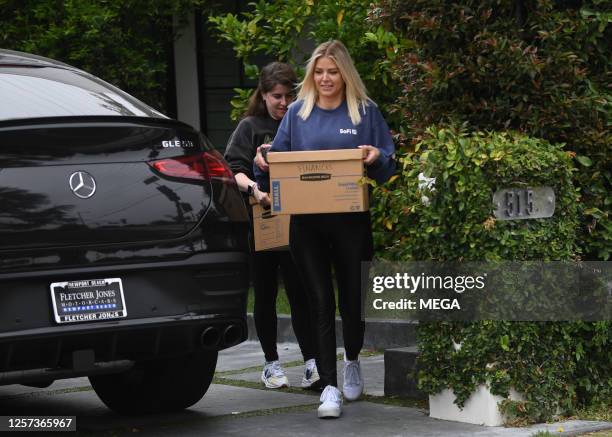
(157, 386)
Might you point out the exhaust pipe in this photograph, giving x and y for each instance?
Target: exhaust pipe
(232, 335)
(210, 338)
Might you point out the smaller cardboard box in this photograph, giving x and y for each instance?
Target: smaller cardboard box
(314, 182)
(270, 232)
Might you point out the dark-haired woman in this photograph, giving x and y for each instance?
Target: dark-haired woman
(266, 108)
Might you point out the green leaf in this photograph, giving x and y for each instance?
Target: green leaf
(340, 17)
(584, 160)
(370, 37)
(504, 342)
(252, 27)
(251, 70)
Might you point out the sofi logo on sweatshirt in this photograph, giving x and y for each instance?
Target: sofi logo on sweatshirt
(348, 131)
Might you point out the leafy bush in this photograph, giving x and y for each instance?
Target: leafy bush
(557, 366)
(123, 41)
(458, 222)
(541, 68)
(288, 31)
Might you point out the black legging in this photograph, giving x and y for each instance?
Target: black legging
(265, 284)
(344, 241)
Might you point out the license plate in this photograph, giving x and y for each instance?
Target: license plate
(88, 300)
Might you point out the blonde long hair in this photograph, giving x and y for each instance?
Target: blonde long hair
(355, 91)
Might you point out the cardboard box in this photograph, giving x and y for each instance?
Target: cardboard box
(316, 182)
(270, 232)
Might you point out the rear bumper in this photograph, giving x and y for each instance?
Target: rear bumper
(47, 354)
(169, 305)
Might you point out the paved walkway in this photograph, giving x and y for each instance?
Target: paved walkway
(372, 366)
(237, 405)
(370, 417)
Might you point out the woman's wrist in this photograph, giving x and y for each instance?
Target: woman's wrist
(251, 187)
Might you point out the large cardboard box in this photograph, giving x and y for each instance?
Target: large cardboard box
(315, 182)
(270, 232)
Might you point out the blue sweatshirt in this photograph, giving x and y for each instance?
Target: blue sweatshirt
(328, 129)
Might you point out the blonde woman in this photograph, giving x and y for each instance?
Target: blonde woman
(333, 111)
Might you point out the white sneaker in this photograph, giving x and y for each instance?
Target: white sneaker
(311, 375)
(353, 382)
(331, 403)
(273, 376)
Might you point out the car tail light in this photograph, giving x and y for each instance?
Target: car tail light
(218, 168)
(204, 166)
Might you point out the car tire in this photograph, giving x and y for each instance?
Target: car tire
(157, 386)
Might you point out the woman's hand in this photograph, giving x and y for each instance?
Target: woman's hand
(372, 154)
(259, 157)
(262, 198)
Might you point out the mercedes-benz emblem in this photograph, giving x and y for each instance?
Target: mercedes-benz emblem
(82, 184)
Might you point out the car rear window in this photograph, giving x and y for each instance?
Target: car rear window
(32, 92)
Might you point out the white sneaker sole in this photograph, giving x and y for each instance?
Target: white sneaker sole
(352, 398)
(329, 412)
(307, 383)
(274, 386)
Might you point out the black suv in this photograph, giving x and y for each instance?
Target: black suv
(123, 242)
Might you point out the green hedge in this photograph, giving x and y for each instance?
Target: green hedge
(459, 224)
(125, 42)
(541, 68)
(559, 367)
(555, 365)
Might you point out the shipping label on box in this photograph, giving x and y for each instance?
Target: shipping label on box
(313, 182)
(270, 232)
